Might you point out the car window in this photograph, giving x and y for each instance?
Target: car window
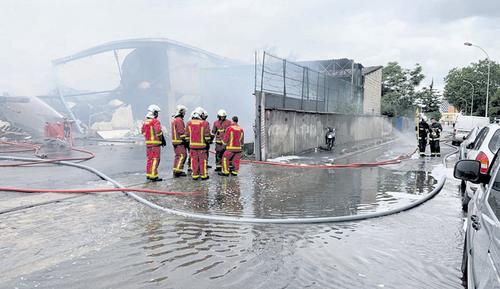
(470, 133)
(480, 138)
(494, 197)
(495, 142)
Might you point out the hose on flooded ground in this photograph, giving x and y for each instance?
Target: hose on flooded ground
(130, 192)
(27, 147)
(99, 190)
(220, 218)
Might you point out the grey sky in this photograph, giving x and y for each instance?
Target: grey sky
(372, 32)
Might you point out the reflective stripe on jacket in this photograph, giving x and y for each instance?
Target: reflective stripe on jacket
(198, 133)
(151, 129)
(234, 138)
(178, 130)
(219, 129)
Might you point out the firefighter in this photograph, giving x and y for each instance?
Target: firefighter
(233, 144)
(423, 131)
(198, 134)
(179, 141)
(219, 128)
(151, 129)
(204, 117)
(435, 130)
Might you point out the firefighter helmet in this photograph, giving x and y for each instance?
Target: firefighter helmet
(180, 109)
(221, 113)
(154, 108)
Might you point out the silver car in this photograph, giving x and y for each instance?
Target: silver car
(482, 149)
(481, 254)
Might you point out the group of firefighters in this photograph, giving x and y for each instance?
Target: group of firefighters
(432, 132)
(194, 138)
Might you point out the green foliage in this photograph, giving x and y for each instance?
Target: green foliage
(399, 89)
(459, 93)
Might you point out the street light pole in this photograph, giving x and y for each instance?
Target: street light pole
(488, 81)
(472, 96)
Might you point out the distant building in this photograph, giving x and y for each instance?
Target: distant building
(448, 112)
(372, 89)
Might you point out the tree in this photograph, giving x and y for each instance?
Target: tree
(399, 88)
(429, 100)
(459, 93)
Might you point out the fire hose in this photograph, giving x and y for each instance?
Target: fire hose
(221, 218)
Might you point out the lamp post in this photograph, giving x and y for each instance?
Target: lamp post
(472, 96)
(488, 81)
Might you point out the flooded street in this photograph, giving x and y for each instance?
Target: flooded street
(111, 241)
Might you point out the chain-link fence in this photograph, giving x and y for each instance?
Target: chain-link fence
(289, 85)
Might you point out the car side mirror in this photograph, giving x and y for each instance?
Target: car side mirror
(467, 170)
(470, 146)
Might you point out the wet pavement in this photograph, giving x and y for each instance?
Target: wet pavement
(111, 241)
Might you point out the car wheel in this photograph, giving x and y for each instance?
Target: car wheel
(465, 258)
(465, 201)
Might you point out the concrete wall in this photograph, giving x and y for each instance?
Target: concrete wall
(291, 132)
(372, 92)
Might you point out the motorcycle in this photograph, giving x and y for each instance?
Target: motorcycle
(330, 139)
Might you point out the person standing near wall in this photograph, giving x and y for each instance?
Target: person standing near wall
(233, 142)
(219, 129)
(434, 134)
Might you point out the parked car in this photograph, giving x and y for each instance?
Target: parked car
(481, 253)
(464, 124)
(482, 149)
(462, 150)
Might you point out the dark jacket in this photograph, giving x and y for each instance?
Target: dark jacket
(435, 130)
(423, 130)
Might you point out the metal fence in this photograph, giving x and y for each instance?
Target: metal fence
(289, 85)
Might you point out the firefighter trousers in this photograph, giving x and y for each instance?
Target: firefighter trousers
(198, 163)
(231, 159)
(422, 143)
(153, 161)
(180, 158)
(219, 151)
(435, 148)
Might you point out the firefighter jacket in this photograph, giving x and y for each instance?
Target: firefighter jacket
(219, 129)
(233, 138)
(178, 130)
(423, 130)
(151, 129)
(198, 133)
(435, 131)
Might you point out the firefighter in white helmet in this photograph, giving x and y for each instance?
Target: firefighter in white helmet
(151, 129)
(219, 128)
(179, 141)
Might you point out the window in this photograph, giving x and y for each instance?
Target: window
(480, 138)
(494, 200)
(494, 144)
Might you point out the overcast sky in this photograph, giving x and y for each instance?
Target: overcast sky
(371, 32)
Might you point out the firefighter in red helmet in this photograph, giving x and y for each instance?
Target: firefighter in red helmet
(151, 129)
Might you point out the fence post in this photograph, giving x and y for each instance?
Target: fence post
(317, 93)
(284, 82)
(302, 93)
(262, 75)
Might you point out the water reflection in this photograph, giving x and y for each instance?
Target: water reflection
(268, 192)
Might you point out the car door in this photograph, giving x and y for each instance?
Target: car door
(483, 225)
(494, 248)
